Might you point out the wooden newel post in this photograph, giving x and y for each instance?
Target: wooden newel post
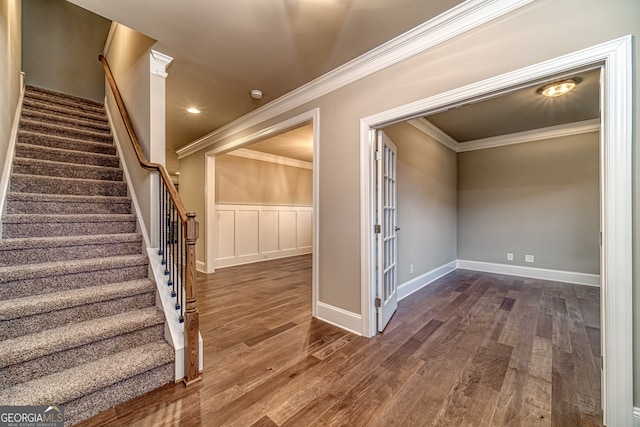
(191, 316)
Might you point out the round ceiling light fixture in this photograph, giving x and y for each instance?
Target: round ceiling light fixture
(559, 88)
(193, 110)
(256, 94)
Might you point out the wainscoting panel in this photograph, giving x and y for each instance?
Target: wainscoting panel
(251, 233)
(226, 234)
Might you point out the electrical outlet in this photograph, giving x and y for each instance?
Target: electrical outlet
(529, 258)
(509, 256)
(411, 269)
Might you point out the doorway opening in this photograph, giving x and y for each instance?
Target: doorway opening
(263, 204)
(615, 183)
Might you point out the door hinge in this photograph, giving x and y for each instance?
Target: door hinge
(376, 229)
(378, 156)
(601, 238)
(378, 302)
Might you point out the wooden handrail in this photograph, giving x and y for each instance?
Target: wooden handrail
(146, 164)
(191, 231)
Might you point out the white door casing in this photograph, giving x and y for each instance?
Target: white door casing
(386, 229)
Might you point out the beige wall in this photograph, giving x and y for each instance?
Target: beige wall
(10, 47)
(539, 198)
(128, 59)
(61, 44)
(192, 193)
(246, 181)
(427, 202)
(530, 35)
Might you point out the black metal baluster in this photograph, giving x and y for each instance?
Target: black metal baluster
(166, 237)
(183, 267)
(161, 207)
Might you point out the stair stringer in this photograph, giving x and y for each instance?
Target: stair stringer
(174, 330)
(11, 150)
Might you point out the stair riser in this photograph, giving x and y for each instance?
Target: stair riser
(51, 108)
(66, 132)
(48, 185)
(18, 373)
(22, 207)
(68, 253)
(53, 118)
(32, 324)
(94, 403)
(65, 144)
(66, 156)
(47, 229)
(44, 285)
(77, 171)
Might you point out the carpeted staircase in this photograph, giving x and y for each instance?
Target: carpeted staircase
(78, 322)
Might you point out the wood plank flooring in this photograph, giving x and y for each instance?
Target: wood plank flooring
(471, 349)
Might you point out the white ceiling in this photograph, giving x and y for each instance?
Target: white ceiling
(223, 49)
(521, 110)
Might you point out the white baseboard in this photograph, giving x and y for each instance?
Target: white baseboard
(636, 417)
(413, 285)
(201, 267)
(532, 272)
(250, 259)
(341, 318)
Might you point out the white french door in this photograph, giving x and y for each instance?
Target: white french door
(386, 229)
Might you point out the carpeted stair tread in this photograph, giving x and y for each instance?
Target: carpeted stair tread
(64, 131)
(65, 386)
(53, 108)
(65, 143)
(94, 403)
(43, 225)
(62, 120)
(34, 92)
(21, 203)
(28, 166)
(33, 346)
(45, 303)
(69, 218)
(30, 151)
(38, 250)
(61, 268)
(21, 183)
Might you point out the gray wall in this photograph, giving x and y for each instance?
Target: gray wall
(9, 70)
(427, 207)
(61, 44)
(128, 59)
(539, 198)
(247, 181)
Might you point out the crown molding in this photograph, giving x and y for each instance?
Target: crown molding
(550, 132)
(576, 128)
(429, 129)
(271, 158)
(158, 63)
(460, 19)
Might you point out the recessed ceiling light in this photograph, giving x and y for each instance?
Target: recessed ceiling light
(193, 110)
(558, 88)
(256, 94)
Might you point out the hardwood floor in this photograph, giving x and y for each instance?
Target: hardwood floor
(471, 349)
